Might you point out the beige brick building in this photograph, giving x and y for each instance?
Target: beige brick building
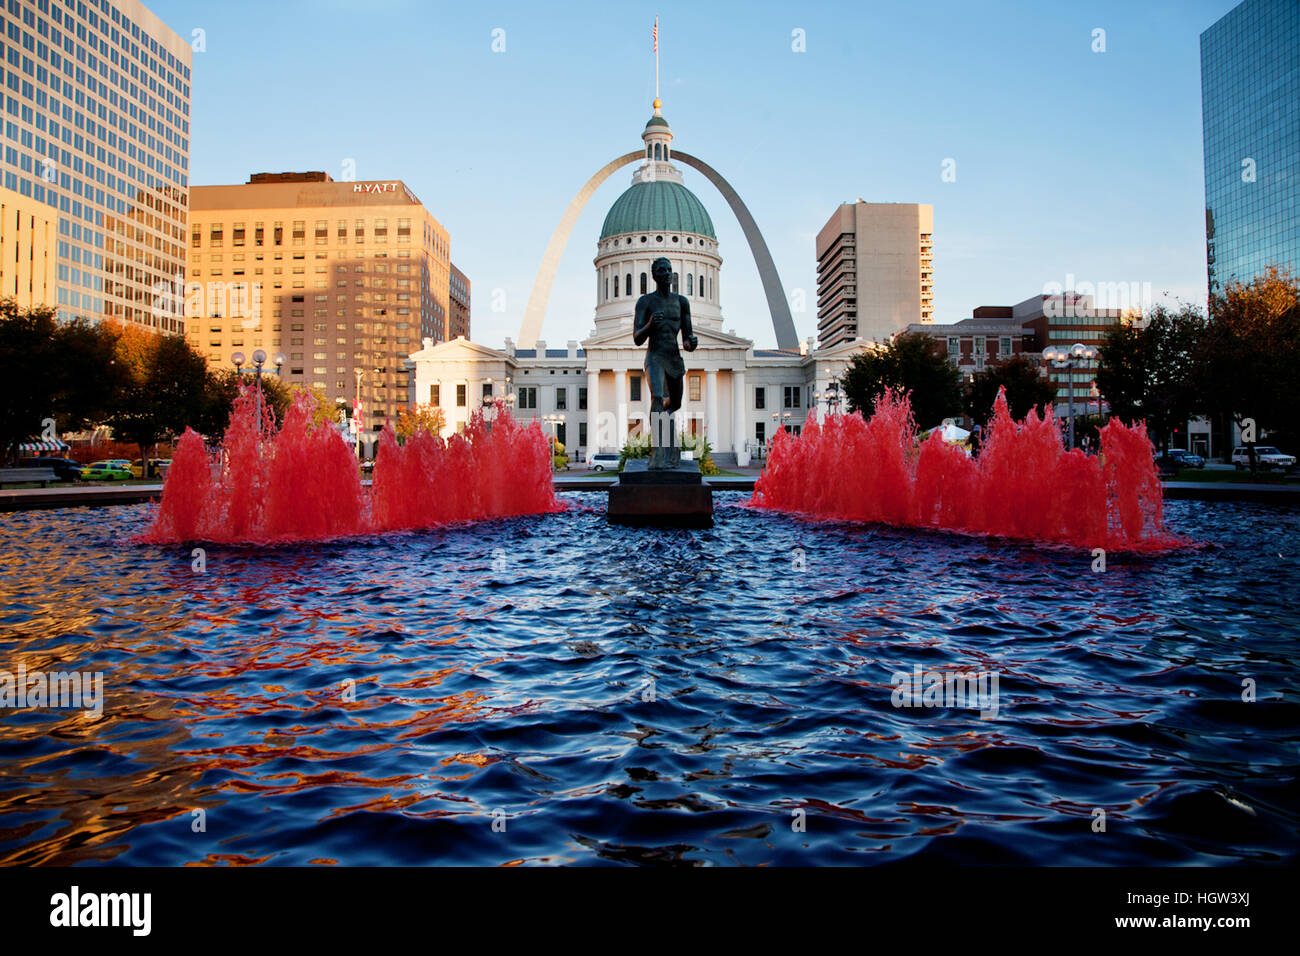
(346, 279)
(28, 253)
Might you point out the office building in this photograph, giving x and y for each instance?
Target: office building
(1250, 103)
(28, 231)
(875, 271)
(97, 129)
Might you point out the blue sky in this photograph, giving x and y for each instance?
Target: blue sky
(1068, 162)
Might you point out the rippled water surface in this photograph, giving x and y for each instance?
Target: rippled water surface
(553, 690)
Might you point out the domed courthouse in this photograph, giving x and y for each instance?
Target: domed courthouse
(734, 394)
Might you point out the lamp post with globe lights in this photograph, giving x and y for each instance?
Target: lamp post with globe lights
(259, 360)
(1076, 356)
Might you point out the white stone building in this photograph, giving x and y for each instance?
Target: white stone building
(734, 394)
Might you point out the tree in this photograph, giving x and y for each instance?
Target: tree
(1150, 373)
(165, 391)
(27, 389)
(1248, 365)
(430, 418)
(913, 362)
(1020, 376)
(64, 372)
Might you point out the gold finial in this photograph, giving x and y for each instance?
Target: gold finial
(658, 104)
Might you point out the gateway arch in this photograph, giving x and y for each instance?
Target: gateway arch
(782, 323)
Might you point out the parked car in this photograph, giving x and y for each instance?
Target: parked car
(603, 461)
(1183, 458)
(1266, 457)
(113, 470)
(65, 469)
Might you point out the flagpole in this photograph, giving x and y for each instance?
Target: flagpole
(656, 56)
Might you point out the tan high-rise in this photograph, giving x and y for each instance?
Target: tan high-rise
(27, 250)
(98, 132)
(339, 276)
(875, 271)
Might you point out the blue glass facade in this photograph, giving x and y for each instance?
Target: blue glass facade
(1250, 101)
(96, 109)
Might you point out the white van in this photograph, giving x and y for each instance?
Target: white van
(603, 461)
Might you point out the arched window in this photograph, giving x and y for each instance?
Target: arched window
(628, 287)
(607, 287)
(675, 283)
(658, 154)
(616, 287)
(690, 284)
(643, 284)
(710, 288)
(649, 151)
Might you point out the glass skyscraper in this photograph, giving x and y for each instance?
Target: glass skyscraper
(97, 128)
(1250, 101)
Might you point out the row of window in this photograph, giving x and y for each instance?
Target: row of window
(695, 286)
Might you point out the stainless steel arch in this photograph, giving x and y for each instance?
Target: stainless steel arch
(535, 311)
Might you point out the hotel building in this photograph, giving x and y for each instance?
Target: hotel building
(875, 271)
(345, 279)
(97, 131)
(1250, 102)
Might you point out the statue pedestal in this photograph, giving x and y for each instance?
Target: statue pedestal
(661, 498)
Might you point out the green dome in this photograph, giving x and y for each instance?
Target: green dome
(656, 121)
(658, 206)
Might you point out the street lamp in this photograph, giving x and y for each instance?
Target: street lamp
(259, 360)
(1076, 356)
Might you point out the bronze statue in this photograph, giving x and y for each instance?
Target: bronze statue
(660, 316)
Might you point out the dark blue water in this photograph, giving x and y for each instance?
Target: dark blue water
(556, 690)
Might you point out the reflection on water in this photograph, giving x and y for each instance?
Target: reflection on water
(552, 690)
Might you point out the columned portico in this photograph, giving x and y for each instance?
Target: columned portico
(712, 431)
(593, 409)
(739, 420)
(620, 405)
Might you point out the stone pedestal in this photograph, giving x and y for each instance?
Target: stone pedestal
(661, 498)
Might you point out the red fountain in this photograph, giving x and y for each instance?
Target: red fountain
(1024, 484)
(302, 482)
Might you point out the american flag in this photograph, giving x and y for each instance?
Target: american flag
(656, 34)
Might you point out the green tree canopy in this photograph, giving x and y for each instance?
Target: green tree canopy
(1019, 374)
(1151, 372)
(913, 362)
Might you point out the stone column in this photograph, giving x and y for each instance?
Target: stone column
(739, 418)
(620, 407)
(711, 430)
(593, 410)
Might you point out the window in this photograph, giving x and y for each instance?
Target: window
(1004, 346)
(561, 397)
(460, 396)
(690, 284)
(793, 398)
(760, 432)
(582, 434)
(582, 401)
(487, 390)
(694, 388)
(528, 396)
(643, 283)
(628, 286)
(435, 395)
(760, 398)
(560, 434)
(634, 384)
